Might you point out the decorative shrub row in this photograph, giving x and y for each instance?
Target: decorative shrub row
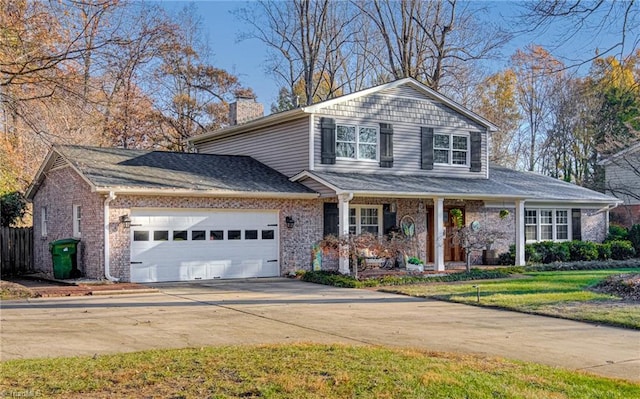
(570, 251)
(338, 280)
(619, 233)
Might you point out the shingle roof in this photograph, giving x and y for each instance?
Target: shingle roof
(503, 183)
(118, 168)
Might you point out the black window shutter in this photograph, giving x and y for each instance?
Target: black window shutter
(476, 151)
(386, 145)
(427, 147)
(328, 141)
(331, 219)
(389, 223)
(576, 224)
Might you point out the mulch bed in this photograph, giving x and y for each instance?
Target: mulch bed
(37, 288)
(626, 286)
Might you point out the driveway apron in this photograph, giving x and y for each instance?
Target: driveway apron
(259, 311)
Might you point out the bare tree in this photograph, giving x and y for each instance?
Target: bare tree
(536, 73)
(193, 95)
(307, 40)
(436, 42)
(593, 18)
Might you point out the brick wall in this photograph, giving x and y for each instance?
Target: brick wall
(62, 189)
(594, 226)
(625, 215)
(295, 243)
(245, 110)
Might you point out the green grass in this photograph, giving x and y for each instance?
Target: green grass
(561, 294)
(300, 371)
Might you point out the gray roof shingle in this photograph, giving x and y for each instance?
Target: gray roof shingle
(160, 170)
(502, 183)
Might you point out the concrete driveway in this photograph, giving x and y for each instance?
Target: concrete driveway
(287, 311)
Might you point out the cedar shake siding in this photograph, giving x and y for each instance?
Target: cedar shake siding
(406, 116)
(283, 147)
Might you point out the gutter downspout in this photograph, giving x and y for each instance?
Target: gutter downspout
(607, 208)
(107, 271)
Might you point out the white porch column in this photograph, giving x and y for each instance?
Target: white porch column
(520, 238)
(438, 233)
(343, 228)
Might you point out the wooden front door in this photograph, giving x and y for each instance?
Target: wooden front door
(453, 252)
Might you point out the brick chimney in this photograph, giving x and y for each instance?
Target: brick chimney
(245, 109)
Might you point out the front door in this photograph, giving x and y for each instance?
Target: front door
(453, 252)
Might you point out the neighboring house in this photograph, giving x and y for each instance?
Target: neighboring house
(622, 180)
(399, 154)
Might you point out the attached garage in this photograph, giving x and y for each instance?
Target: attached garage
(183, 245)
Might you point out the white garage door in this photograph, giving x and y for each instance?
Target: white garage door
(179, 245)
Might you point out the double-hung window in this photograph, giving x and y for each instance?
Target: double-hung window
(365, 219)
(451, 149)
(546, 225)
(357, 142)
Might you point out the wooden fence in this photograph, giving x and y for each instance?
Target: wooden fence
(16, 250)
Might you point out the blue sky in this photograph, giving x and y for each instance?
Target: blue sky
(245, 59)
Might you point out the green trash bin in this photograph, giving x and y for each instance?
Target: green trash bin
(65, 262)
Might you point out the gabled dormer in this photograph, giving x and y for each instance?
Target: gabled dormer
(401, 127)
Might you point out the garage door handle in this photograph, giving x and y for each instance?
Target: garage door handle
(269, 225)
(272, 260)
(136, 263)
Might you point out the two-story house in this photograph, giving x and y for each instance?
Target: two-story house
(258, 195)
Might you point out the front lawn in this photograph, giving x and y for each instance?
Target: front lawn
(300, 371)
(559, 293)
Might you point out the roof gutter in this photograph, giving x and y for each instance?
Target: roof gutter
(607, 208)
(204, 193)
(107, 260)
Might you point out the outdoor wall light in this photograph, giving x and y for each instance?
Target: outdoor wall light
(393, 207)
(125, 220)
(289, 221)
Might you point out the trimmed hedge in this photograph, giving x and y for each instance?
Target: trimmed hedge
(338, 280)
(570, 251)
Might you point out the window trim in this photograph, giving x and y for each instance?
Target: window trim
(450, 150)
(76, 216)
(357, 142)
(43, 221)
(554, 224)
(358, 208)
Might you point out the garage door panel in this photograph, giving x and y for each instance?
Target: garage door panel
(199, 246)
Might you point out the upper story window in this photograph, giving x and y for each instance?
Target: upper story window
(451, 149)
(546, 225)
(357, 142)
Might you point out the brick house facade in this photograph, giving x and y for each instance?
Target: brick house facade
(362, 162)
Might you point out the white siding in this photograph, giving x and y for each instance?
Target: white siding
(622, 181)
(407, 113)
(282, 147)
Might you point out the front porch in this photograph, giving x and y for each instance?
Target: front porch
(425, 227)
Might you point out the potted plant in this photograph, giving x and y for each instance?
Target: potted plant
(415, 264)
